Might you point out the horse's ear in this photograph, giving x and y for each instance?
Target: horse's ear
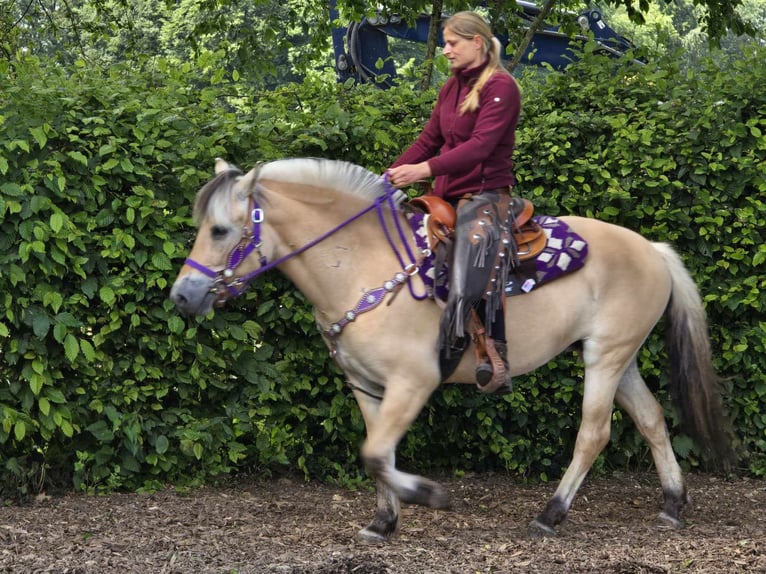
(248, 180)
(221, 165)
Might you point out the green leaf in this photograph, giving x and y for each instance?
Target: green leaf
(36, 383)
(12, 189)
(77, 156)
(66, 428)
(22, 144)
(56, 222)
(130, 463)
(110, 164)
(40, 325)
(39, 134)
(683, 445)
(101, 431)
(87, 350)
(71, 347)
(60, 332)
(162, 262)
(129, 241)
(162, 444)
(19, 430)
(176, 324)
(54, 300)
(44, 405)
(89, 287)
(55, 395)
(169, 248)
(107, 295)
(68, 319)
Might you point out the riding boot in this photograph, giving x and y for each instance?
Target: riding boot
(485, 371)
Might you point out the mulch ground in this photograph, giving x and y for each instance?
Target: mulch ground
(294, 527)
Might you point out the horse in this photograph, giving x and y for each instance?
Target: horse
(339, 233)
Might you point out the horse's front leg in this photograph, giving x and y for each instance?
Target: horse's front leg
(385, 524)
(379, 457)
(403, 401)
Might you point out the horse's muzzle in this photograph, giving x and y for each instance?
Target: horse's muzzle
(193, 295)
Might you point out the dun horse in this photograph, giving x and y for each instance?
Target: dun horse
(337, 232)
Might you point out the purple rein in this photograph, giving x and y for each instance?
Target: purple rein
(226, 285)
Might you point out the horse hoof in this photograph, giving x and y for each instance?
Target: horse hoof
(537, 529)
(368, 536)
(439, 499)
(668, 521)
(428, 494)
(384, 526)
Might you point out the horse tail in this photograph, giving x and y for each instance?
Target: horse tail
(695, 388)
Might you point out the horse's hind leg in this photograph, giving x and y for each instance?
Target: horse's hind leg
(635, 397)
(601, 382)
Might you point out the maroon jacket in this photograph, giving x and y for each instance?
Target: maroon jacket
(475, 149)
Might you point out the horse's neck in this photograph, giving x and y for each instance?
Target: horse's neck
(334, 274)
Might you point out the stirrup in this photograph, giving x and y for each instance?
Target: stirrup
(483, 374)
(493, 374)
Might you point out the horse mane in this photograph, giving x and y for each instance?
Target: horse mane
(342, 176)
(224, 180)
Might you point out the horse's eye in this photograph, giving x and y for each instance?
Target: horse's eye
(219, 232)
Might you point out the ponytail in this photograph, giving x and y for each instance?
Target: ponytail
(467, 25)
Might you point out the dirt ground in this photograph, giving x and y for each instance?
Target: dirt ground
(294, 527)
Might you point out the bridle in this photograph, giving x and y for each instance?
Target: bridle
(227, 285)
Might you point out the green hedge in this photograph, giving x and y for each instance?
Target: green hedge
(104, 385)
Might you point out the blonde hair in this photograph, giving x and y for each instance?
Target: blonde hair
(467, 25)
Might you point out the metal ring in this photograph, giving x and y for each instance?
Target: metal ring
(412, 269)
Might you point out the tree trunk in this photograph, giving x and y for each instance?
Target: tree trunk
(431, 44)
(533, 28)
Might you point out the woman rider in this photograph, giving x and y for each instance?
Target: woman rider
(467, 147)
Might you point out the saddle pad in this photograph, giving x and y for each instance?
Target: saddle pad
(436, 283)
(564, 253)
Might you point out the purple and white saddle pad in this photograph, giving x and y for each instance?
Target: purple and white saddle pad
(565, 252)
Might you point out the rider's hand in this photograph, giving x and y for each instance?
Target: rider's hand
(406, 174)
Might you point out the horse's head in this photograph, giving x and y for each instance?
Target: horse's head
(235, 242)
(228, 246)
